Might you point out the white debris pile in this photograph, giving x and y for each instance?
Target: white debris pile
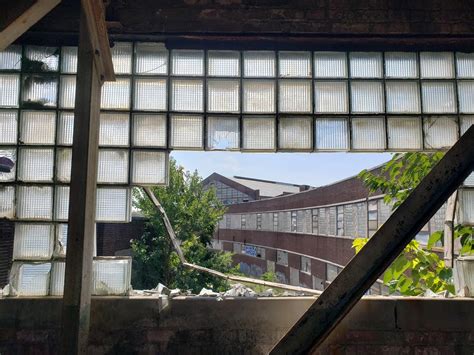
(239, 290)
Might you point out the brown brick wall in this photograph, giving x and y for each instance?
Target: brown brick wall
(112, 237)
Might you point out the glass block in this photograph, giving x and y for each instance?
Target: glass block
(65, 128)
(122, 57)
(466, 123)
(223, 95)
(8, 127)
(34, 202)
(150, 95)
(61, 231)
(186, 131)
(437, 65)
(111, 277)
(438, 97)
(187, 62)
(367, 97)
(149, 167)
(331, 97)
(113, 204)
(10, 58)
(116, 94)
(7, 201)
(9, 90)
(69, 60)
(330, 65)
(259, 96)
(223, 63)
(149, 130)
(368, 133)
(222, 133)
(467, 206)
(466, 96)
(470, 180)
(9, 153)
(151, 59)
(30, 279)
(58, 271)
(114, 129)
(295, 96)
(33, 241)
(405, 133)
(187, 95)
(259, 64)
(67, 91)
(295, 133)
(41, 59)
(258, 133)
(465, 65)
(366, 64)
(403, 97)
(63, 164)
(113, 166)
(295, 64)
(39, 91)
(440, 131)
(401, 65)
(332, 133)
(61, 203)
(37, 127)
(36, 164)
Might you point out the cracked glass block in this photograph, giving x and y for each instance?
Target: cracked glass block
(8, 127)
(222, 133)
(9, 153)
(466, 123)
(295, 96)
(69, 60)
(466, 96)
(30, 279)
(113, 166)
(116, 94)
(368, 133)
(63, 164)
(465, 65)
(467, 206)
(34, 202)
(366, 64)
(440, 131)
(295, 133)
(438, 97)
(149, 130)
(149, 167)
(58, 271)
(436, 65)
(367, 97)
(114, 129)
(330, 65)
(332, 133)
(39, 91)
(10, 58)
(36, 164)
(7, 201)
(41, 59)
(259, 96)
(37, 127)
(294, 64)
(9, 90)
(405, 133)
(61, 203)
(60, 247)
(187, 62)
(258, 133)
(401, 65)
(111, 276)
(33, 241)
(67, 91)
(259, 64)
(113, 204)
(223, 63)
(65, 128)
(150, 94)
(151, 59)
(223, 95)
(187, 95)
(122, 57)
(403, 97)
(186, 131)
(331, 97)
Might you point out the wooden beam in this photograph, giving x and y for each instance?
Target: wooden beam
(449, 229)
(381, 250)
(25, 20)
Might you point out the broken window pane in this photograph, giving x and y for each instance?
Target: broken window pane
(222, 133)
(187, 62)
(9, 153)
(149, 130)
(330, 65)
(401, 65)
(258, 133)
(36, 164)
(34, 202)
(223, 95)
(8, 127)
(440, 131)
(331, 97)
(187, 95)
(113, 166)
(295, 64)
(30, 279)
(40, 59)
(259, 96)
(368, 133)
(39, 91)
(223, 63)
(187, 131)
(259, 64)
(295, 133)
(295, 96)
(149, 168)
(151, 58)
(331, 134)
(437, 65)
(150, 94)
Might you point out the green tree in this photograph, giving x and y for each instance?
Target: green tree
(194, 213)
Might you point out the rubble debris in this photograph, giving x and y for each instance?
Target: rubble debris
(239, 290)
(208, 293)
(162, 289)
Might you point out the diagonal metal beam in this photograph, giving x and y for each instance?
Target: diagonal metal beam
(380, 251)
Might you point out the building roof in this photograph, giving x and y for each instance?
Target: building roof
(267, 188)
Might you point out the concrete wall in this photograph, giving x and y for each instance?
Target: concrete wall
(240, 326)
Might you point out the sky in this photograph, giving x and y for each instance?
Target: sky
(315, 169)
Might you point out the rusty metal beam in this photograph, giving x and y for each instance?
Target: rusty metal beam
(380, 251)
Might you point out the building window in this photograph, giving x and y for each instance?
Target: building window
(275, 221)
(282, 258)
(373, 216)
(259, 221)
(294, 221)
(331, 272)
(250, 250)
(227, 221)
(340, 220)
(243, 221)
(305, 265)
(315, 223)
(237, 248)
